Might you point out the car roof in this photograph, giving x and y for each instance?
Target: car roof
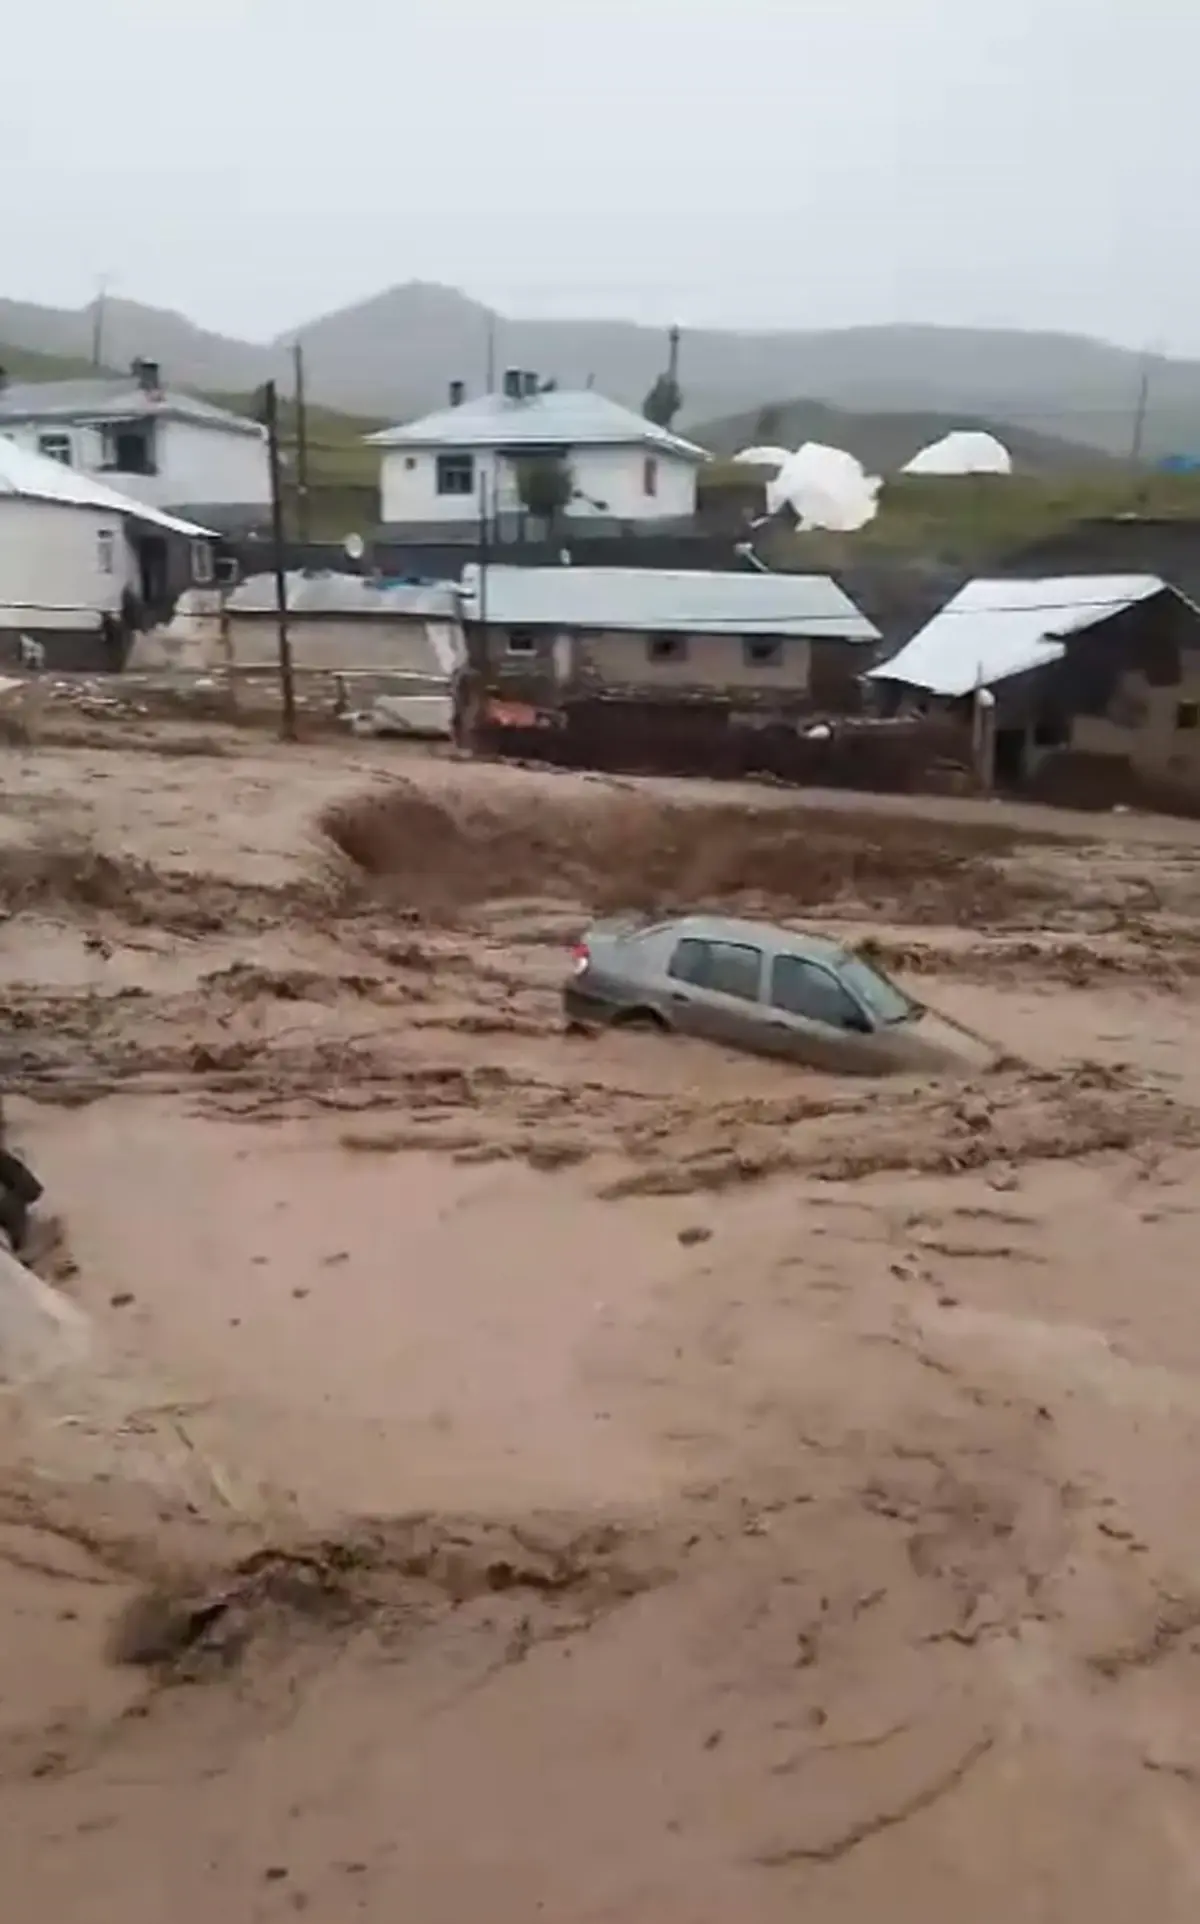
(730, 928)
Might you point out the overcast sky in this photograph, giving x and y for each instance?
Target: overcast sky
(759, 162)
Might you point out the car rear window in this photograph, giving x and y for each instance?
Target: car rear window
(808, 990)
(727, 968)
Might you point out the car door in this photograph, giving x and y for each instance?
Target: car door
(714, 989)
(813, 1018)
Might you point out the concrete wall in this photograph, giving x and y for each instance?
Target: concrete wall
(400, 646)
(1142, 724)
(58, 561)
(717, 662)
(615, 476)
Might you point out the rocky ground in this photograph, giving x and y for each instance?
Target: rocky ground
(600, 1478)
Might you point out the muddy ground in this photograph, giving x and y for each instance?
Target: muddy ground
(605, 1478)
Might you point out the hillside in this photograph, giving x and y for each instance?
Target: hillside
(392, 356)
(884, 442)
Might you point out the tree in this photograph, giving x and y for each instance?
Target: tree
(663, 402)
(545, 485)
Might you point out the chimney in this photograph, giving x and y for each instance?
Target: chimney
(146, 374)
(529, 383)
(458, 393)
(514, 384)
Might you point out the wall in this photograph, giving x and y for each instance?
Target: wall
(713, 661)
(1141, 724)
(195, 464)
(50, 563)
(345, 643)
(612, 475)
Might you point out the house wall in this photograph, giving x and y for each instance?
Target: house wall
(615, 476)
(52, 564)
(716, 662)
(196, 464)
(1141, 724)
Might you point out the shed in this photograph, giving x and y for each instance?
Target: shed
(786, 638)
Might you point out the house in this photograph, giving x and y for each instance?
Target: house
(166, 448)
(792, 641)
(464, 466)
(81, 566)
(1101, 670)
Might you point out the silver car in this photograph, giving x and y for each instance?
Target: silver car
(752, 985)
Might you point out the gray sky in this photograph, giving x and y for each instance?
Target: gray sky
(758, 162)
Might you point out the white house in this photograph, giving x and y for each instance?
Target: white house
(456, 466)
(164, 447)
(81, 565)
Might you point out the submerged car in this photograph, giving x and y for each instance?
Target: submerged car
(756, 986)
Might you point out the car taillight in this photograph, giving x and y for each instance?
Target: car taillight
(579, 958)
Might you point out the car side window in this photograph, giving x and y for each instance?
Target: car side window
(728, 968)
(806, 989)
(689, 961)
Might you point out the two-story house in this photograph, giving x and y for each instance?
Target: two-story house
(167, 448)
(452, 470)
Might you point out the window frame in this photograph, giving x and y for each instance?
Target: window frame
(650, 476)
(62, 450)
(828, 974)
(453, 461)
(708, 945)
(773, 657)
(525, 648)
(1187, 716)
(106, 550)
(667, 650)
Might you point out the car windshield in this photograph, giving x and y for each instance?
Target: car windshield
(884, 1002)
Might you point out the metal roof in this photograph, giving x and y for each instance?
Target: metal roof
(338, 594)
(992, 630)
(559, 417)
(118, 398)
(34, 477)
(669, 600)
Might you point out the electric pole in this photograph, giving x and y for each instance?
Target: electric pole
(1139, 418)
(98, 322)
(302, 516)
(269, 416)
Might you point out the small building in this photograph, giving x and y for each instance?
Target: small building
(162, 446)
(794, 642)
(82, 567)
(463, 466)
(1098, 675)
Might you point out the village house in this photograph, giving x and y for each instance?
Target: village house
(461, 468)
(794, 641)
(1096, 677)
(164, 447)
(82, 567)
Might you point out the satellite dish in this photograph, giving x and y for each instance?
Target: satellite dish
(355, 546)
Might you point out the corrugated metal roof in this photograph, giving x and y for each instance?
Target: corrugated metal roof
(668, 600)
(336, 594)
(119, 398)
(572, 419)
(995, 629)
(34, 477)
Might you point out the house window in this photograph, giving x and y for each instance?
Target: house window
(410, 462)
(55, 447)
(128, 448)
(203, 571)
(456, 474)
(1187, 714)
(666, 648)
(762, 651)
(522, 641)
(106, 551)
(650, 475)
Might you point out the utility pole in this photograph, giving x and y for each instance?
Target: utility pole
(98, 322)
(1139, 417)
(302, 518)
(490, 371)
(269, 416)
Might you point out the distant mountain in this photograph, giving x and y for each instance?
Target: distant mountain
(394, 354)
(885, 442)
